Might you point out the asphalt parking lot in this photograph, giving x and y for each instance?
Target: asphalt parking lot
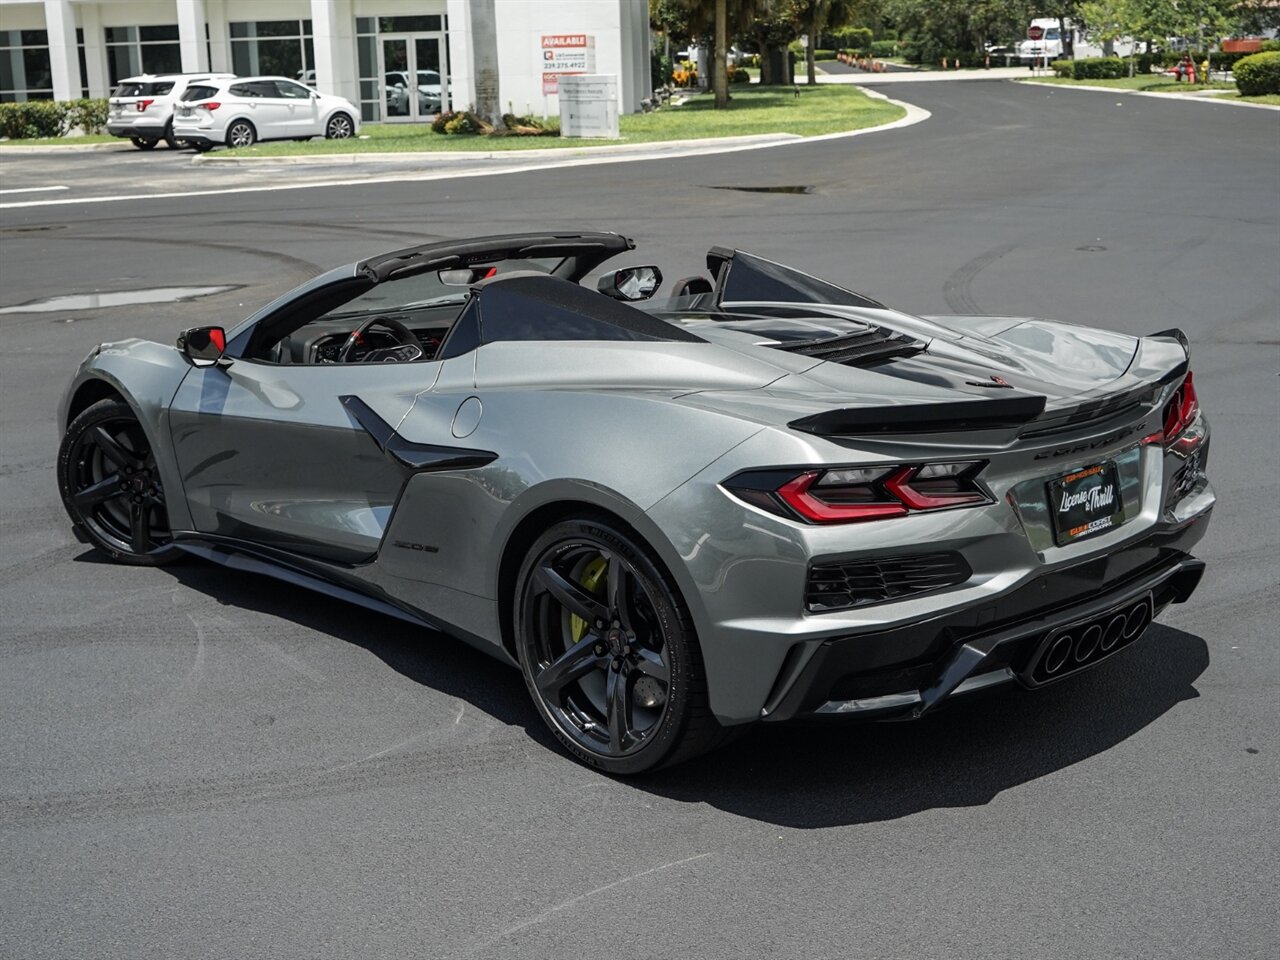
(196, 762)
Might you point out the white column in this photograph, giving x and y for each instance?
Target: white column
(333, 31)
(95, 51)
(191, 19)
(215, 12)
(462, 76)
(64, 63)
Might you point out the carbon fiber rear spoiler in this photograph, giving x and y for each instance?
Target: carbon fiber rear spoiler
(924, 417)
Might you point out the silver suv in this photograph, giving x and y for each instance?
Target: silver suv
(142, 107)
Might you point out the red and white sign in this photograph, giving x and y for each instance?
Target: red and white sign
(563, 54)
(1035, 33)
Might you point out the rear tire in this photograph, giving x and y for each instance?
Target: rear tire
(609, 652)
(173, 142)
(111, 488)
(143, 144)
(241, 134)
(199, 147)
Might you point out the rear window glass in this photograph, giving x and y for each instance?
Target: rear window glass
(199, 93)
(158, 89)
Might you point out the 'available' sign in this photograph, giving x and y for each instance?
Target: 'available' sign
(564, 54)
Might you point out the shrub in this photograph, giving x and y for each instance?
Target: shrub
(850, 38)
(884, 48)
(824, 54)
(1270, 46)
(660, 67)
(32, 119)
(1258, 74)
(1092, 68)
(738, 75)
(89, 115)
(517, 126)
(465, 122)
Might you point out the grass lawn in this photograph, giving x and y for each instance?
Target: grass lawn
(1150, 83)
(63, 141)
(1271, 98)
(818, 110)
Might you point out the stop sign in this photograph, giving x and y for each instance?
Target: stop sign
(1035, 33)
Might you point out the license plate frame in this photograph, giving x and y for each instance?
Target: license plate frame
(1085, 503)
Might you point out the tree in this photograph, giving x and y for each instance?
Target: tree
(818, 15)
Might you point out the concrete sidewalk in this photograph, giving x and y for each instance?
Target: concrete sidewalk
(862, 78)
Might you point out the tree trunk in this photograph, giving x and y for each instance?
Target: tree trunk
(810, 64)
(720, 65)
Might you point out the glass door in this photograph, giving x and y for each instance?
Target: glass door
(415, 84)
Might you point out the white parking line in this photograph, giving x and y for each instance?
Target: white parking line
(34, 189)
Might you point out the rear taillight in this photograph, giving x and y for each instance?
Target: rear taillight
(211, 105)
(852, 494)
(1181, 414)
(143, 104)
(1181, 409)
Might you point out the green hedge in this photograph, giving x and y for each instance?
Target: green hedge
(1092, 68)
(884, 48)
(1168, 59)
(38, 119)
(1270, 46)
(1258, 74)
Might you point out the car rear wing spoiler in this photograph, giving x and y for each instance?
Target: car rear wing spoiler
(924, 417)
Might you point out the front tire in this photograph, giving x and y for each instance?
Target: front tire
(608, 650)
(111, 487)
(173, 142)
(339, 127)
(241, 134)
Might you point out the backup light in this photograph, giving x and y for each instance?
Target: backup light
(853, 494)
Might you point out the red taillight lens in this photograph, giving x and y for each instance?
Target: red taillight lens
(1181, 409)
(211, 105)
(848, 495)
(143, 104)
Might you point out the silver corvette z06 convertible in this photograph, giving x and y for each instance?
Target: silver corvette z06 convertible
(766, 497)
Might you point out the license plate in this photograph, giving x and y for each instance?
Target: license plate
(1085, 503)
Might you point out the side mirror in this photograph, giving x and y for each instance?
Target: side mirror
(631, 283)
(203, 346)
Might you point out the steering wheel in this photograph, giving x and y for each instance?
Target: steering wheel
(403, 335)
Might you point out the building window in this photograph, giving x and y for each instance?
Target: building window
(25, 73)
(432, 23)
(135, 50)
(279, 48)
(370, 82)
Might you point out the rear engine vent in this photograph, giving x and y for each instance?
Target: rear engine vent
(854, 349)
(857, 583)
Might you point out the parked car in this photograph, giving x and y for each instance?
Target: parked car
(397, 92)
(241, 111)
(142, 108)
(765, 498)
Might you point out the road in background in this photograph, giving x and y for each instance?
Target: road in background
(196, 762)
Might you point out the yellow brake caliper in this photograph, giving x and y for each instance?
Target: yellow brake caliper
(590, 581)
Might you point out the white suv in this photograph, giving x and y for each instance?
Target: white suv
(142, 107)
(241, 111)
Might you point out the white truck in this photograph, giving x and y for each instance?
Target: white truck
(1049, 46)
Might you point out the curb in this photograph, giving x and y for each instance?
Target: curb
(558, 161)
(16, 148)
(1206, 97)
(673, 147)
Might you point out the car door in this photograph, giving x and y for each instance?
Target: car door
(302, 109)
(279, 455)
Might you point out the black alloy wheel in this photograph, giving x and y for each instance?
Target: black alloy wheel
(142, 143)
(609, 652)
(241, 134)
(111, 487)
(339, 127)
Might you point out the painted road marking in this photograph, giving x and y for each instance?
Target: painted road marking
(34, 189)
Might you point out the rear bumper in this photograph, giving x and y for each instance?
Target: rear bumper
(1004, 642)
(148, 131)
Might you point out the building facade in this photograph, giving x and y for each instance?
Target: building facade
(400, 60)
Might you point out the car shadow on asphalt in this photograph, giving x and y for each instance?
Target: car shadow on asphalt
(803, 775)
(837, 774)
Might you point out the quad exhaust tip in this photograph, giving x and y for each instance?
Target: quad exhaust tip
(1084, 644)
